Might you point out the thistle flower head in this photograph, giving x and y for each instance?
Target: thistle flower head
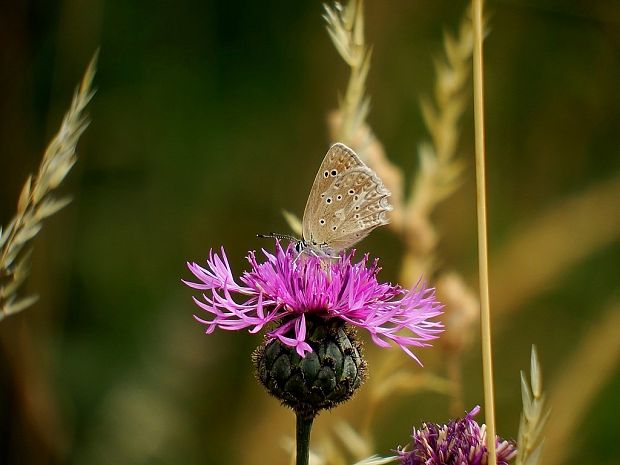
(460, 442)
(288, 288)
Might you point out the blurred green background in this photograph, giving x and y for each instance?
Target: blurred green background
(209, 118)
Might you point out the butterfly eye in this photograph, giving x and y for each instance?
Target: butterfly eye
(351, 192)
(326, 174)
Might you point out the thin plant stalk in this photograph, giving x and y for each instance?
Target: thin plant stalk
(304, 426)
(483, 259)
(37, 201)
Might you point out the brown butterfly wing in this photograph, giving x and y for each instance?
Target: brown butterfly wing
(347, 201)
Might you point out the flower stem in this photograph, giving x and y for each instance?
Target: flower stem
(304, 425)
(483, 259)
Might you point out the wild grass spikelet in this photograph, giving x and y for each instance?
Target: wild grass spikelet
(345, 26)
(439, 170)
(534, 416)
(37, 201)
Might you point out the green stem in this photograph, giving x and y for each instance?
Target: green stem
(304, 425)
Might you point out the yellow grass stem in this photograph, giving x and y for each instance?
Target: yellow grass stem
(483, 259)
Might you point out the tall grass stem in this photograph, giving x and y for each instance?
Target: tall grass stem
(483, 256)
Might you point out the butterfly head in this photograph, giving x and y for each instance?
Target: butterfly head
(311, 247)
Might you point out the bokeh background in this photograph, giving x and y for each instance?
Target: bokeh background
(209, 118)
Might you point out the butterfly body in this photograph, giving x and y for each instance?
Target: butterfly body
(347, 201)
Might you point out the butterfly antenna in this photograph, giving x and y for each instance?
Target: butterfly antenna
(278, 236)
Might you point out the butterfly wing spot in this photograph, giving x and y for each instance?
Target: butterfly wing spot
(355, 201)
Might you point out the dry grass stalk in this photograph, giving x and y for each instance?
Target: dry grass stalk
(438, 176)
(483, 256)
(594, 362)
(37, 201)
(439, 169)
(534, 417)
(345, 26)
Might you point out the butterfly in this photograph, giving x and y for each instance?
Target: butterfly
(346, 202)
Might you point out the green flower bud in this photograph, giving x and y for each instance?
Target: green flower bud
(324, 378)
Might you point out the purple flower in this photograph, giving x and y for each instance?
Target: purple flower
(460, 442)
(287, 286)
